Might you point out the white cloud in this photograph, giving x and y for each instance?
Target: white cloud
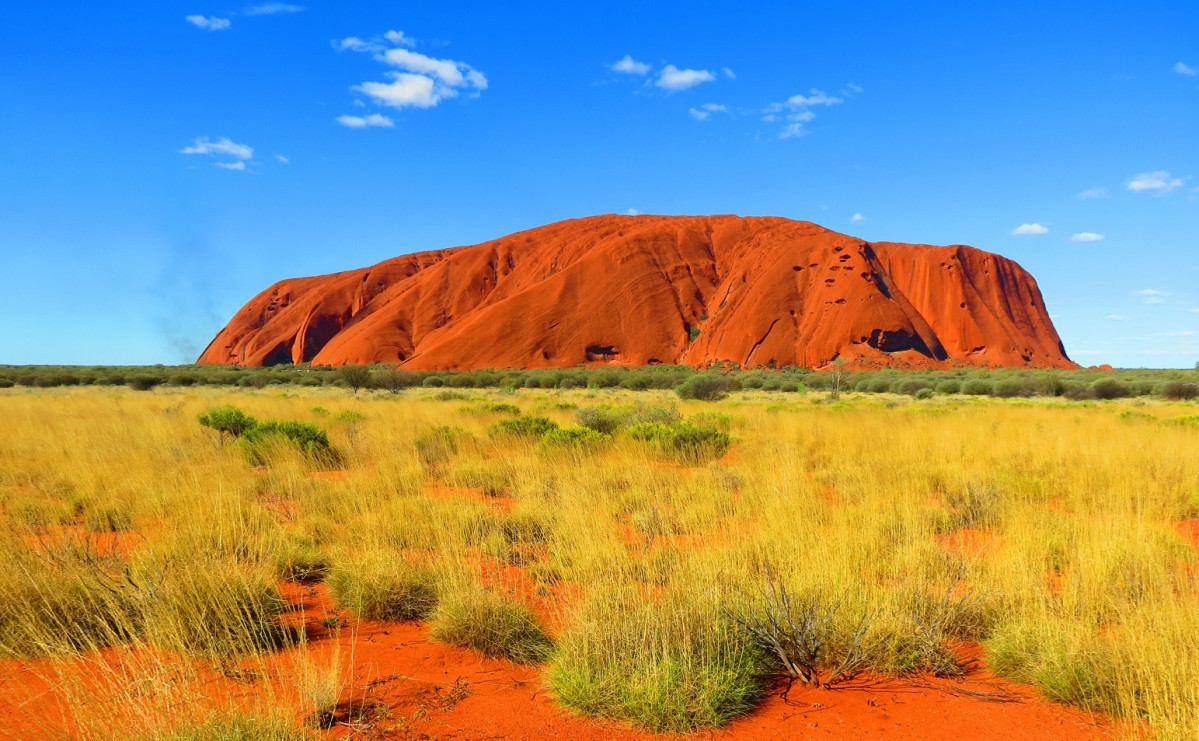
(1152, 296)
(1193, 311)
(794, 111)
(1117, 317)
(632, 212)
(1030, 229)
(1093, 193)
(857, 219)
(1185, 71)
(239, 165)
(273, 9)
(353, 43)
(424, 83)
(1086, 237)
(282, 159)
(728, 73)
(373, 120)
(707, 109)
(204, 145)
(208, 24)
(853, 88)
(399, 39)
(1158, 181)
(629, 66)
(672, 78)
(1184, 333)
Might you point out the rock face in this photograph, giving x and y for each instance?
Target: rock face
(639, 290)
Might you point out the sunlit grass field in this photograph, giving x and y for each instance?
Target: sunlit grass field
(661, 583)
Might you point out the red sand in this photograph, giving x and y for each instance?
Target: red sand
(630, 290)
(431, 690)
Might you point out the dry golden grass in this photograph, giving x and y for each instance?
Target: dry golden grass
(1044, 531)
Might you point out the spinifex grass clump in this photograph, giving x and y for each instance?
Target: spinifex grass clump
(259, 440)
(383, 585)
(572, 439)
(235, 727)
(674, 662)
(490, 623)
(684, 442)
(526, 427)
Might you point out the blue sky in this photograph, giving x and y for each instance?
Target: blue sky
(161, 162)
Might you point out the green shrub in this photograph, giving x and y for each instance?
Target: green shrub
(978, 387)
(704, 387)
(1180, 390)
(526, 427)
(949, 387)
(1109, 388)
(144, 383)
(492, 624)
(227, 420)
(682, 441)
(433, 382)
(925, 393)
(573, 438)
(311, 440)
(504, 409)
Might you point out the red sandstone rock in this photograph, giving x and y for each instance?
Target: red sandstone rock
(632, 290)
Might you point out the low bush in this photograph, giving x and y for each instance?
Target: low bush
(439, 444)
(704, 387)
(309, 439)
(1109, 388)
(572, 439)
(524, 427)
(682, 441)
(491, 624)
(978, 387)
(1180, 390)
(227, 420)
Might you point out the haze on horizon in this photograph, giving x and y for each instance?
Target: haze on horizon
(163, 164)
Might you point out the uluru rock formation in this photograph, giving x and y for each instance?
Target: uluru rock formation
(639, 290)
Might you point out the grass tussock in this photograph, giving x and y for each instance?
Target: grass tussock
(490, 623)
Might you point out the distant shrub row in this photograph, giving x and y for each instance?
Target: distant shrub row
(686, 381)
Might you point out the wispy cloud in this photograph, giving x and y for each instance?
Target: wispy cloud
(240, 165)
(1152, 296)
(421, 82)
(373, 120)
(273, 9)
(707, 109)
(1185, 70)
(1117, 318)
(674, 79)
(211, 23)
(1086, 237)
(1093, 193)
(626, 65)
(796, 111)
(221, 147)
(857, 219)
(729, 73)
(632, 212)
(282, 160)
(1158, 182)
(1184, 333)
(1033, 229)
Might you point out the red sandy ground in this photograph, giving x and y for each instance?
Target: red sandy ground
(431, 690)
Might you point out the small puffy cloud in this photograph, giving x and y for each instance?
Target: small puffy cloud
(628, 66)
(673, 79)
(373, 120)
(353, 43)
(1159, 182)
(208, 23)
(239, 165)
(857, 219)
(1033, 229)
(1185, 70)
(707, 109)
(423, 82)
(632, 212)
(1152, 296)
(728, 73)
(282, 160)
(1086, 237)
(399, 39)
(795, 111)
(1093, 193)
(273, 9)
(222, 146)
